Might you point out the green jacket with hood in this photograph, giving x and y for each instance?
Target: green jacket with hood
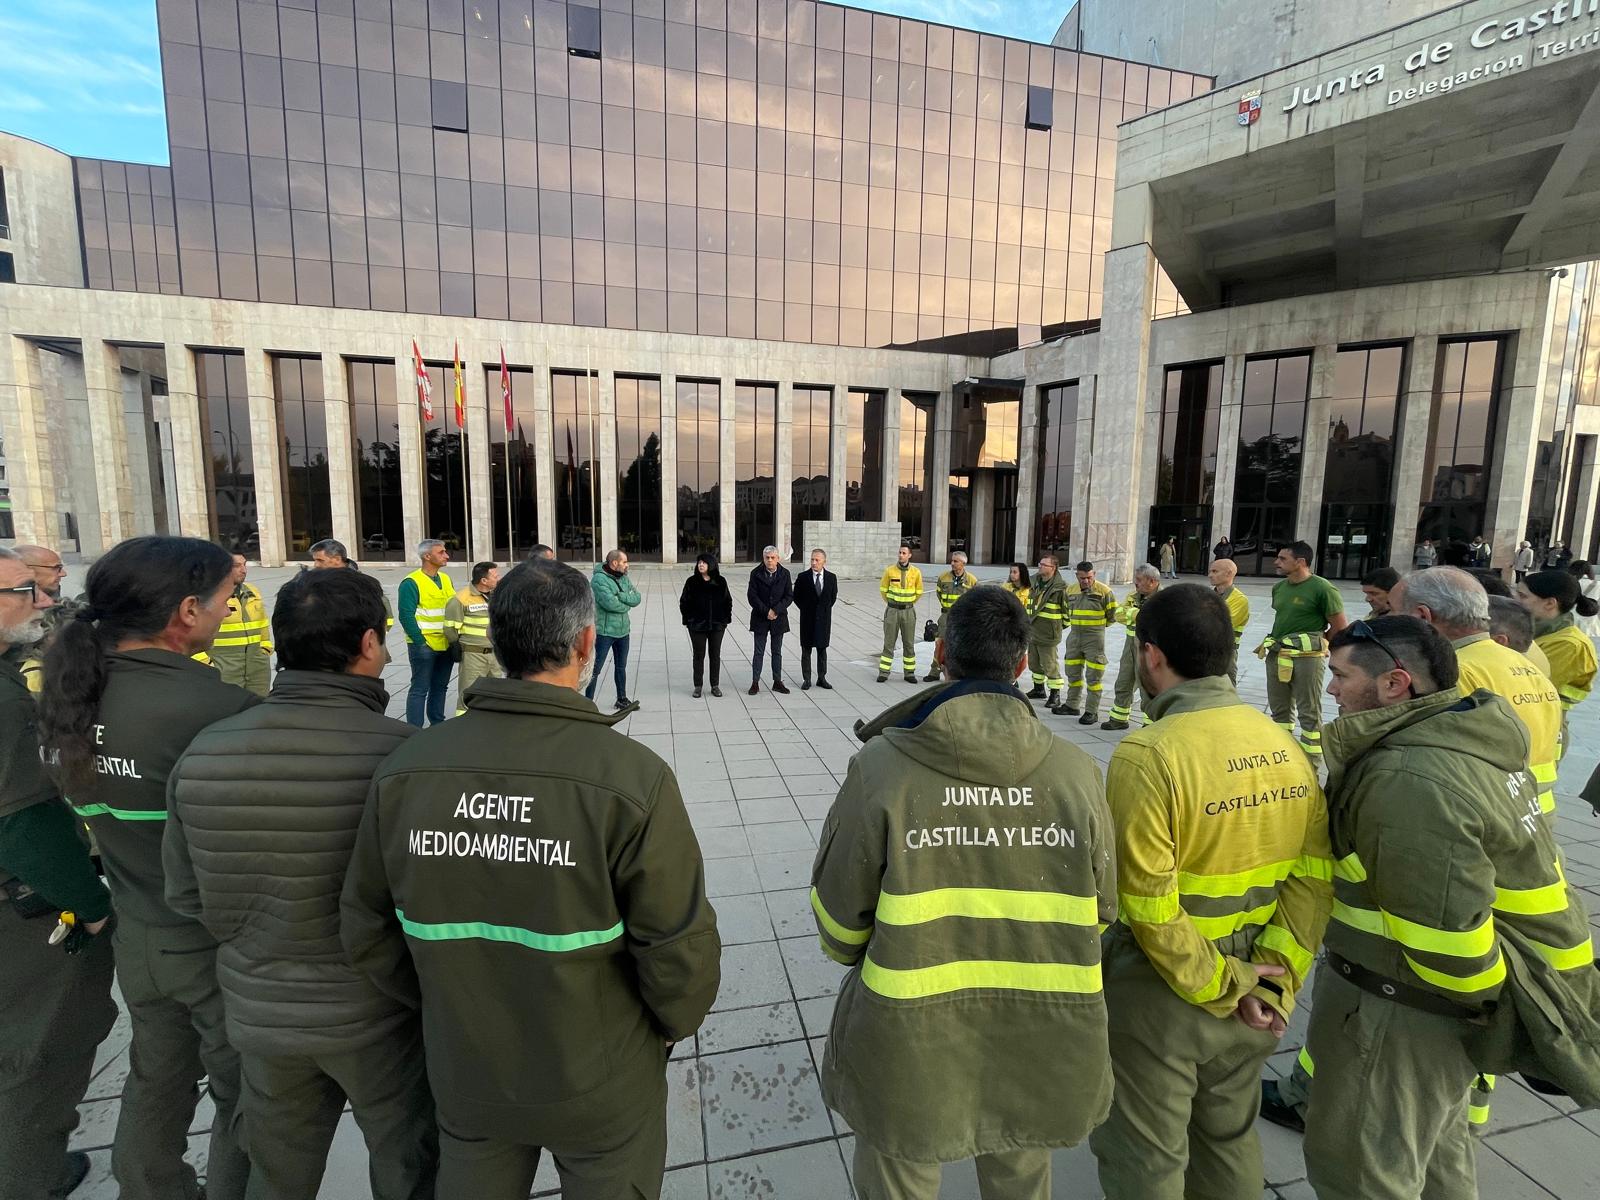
(1440, 853)
(964, 873)
(614, 599)
(530, 877)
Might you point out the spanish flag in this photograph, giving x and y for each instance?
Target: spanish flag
(461, 404)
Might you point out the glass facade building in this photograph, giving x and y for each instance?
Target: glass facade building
(1186, 466)
(791, 171)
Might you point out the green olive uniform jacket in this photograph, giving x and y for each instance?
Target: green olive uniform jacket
(1447, 880)
(263, 811)
(964, 873)
(535, 875)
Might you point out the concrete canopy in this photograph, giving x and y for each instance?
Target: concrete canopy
(1356, 173)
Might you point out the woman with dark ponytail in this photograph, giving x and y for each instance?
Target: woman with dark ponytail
(1555, 600)
(122, 699)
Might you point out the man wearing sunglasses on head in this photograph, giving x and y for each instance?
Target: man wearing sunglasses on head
(1443, 874)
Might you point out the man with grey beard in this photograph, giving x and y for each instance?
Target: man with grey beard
(55, 990)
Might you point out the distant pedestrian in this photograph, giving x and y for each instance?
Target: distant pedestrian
(1169, 558)
(706, 607)
(1424, 556)
(1522, 561)
(1480, 552)
(770, 593)
(614, 599)
(1223, 548)
(815, 594)
(423, 596)
(1580, 570)
(1556, 558)
(466, 627)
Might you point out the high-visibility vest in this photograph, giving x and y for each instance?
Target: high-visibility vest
(433, 594)
(1086, 606)
(246, 623)
(949, 589)
(901, 586)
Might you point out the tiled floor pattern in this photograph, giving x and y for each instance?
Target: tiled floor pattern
(746, 1117)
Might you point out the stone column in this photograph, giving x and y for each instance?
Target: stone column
(1117, 507)
(139, 428)
(25, 420)
(72, 449)
(543, 450)
(939, 476)
(727, 470)
(343, 484)
(1411, 449)
(1314, 443)
(413, 481)
(1229, 417)
(783, 471)
(266, 453)
(1082, 478)
(1517, 445)
(1587, 483)
(838, 450)
(480, 475)
(102, 378)
(191, 443)
(978, 548)
(669, 469)
(891, 481)
(1028, 462)
(609, 536)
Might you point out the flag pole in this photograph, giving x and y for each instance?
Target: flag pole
(511, 514)
(460, 406)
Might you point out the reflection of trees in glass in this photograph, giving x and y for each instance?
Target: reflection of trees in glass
(1276, 459)
(639, 496)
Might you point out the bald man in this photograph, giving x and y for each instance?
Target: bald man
(1222, 574)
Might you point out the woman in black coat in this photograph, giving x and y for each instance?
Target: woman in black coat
(707, 609)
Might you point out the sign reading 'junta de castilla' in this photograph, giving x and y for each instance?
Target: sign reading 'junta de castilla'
(1490, 47)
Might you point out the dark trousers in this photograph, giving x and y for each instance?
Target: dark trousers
(805, 661)
(473, 1168)
(618, 649)
(292, 1103)
(58, 1009)
(168, 976)
(702, 641)
(430, 681)
(761, 634)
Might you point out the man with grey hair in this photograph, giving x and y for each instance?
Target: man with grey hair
(57, 998)
(770, 593)
(1146, 583)
(530, 880)
(949, 588)
(330, 554)
(424, 595)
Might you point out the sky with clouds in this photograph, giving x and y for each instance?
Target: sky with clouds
(84, 76)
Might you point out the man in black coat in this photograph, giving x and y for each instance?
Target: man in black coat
(815, 595)
(770, 594)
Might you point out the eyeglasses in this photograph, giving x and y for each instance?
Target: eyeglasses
(30, 590)
(1360, 631)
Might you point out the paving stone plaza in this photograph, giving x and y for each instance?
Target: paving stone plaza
(746, 1117)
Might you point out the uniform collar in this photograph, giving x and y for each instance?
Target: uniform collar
(526, 698)
(329, 688)
(1213, 691)
(168, 660)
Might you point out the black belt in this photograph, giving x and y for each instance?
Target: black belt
(1400, 993)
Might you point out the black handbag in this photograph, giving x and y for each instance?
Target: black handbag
(930, 631)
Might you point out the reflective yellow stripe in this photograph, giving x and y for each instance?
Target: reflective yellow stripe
(236, 625)
(1236, 884)
(1543, 772)
(940, 980)
(238, 641)
(921, 907)
(1280, 941)
(1213, 988)
(1491, 976)
(843, 933)
(1150, 910)
(1569, 959)
(1313, 868)
(1349, 868)
(834, 954)
(1533, 902)
(1220, 927)
(1471, 943)
(1307, 1064)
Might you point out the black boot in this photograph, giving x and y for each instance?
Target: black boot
(1037, 693)
(1277, 1110)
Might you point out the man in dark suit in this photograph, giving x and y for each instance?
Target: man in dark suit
(815, 594)
(770, 593)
